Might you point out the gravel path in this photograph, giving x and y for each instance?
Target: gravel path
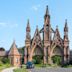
(51, 70)
(8, 69)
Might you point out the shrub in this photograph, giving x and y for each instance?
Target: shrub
(37, 59)
(5, 60)
(56, 59)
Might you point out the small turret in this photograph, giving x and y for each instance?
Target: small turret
(27, 43)
(57, 32)
(66, 30)
(28, 27)
(66, 44)
(28, 37)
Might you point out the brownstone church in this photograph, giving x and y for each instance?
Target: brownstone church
(50, 45)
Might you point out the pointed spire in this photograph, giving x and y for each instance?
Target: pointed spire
(13, 49)
(14, 44)
(47, 16)
(57, 31)
(57, 28)
(37, 27)
(66, 31)
(66, 27)
(28, 23)
(47, 11)
(28, 26)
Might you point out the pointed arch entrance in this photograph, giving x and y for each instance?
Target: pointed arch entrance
(36, 52)
(57, 55)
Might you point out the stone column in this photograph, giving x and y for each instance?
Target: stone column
(28, 53)
(65, 55)
(25, 55)
(45, 60)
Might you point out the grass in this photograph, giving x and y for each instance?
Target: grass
(45, 65)
(67, 66)
(3, 66)
(20, 70)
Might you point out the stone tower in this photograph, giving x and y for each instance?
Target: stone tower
(27, 44)
(47, 36)
(66, 44)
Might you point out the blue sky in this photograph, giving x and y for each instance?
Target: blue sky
(14, 15)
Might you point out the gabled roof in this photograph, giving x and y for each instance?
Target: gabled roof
(56, 34)
(57, 39)
(37, 38)
(13, 49)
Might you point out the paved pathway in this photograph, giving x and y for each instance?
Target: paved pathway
(8, 69)
(51, 70)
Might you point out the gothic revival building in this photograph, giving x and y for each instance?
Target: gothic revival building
(52, 44)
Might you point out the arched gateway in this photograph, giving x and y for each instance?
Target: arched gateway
(51, 45)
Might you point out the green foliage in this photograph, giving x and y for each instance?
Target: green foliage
(2, 49)
(37, 59)
(56, 59)
(5, 60)
(1, 63)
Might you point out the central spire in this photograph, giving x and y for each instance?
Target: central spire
(47, 11)
(28, 26)
(47, 17)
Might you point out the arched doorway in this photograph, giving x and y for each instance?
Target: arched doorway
(57, 55)
(37, 56)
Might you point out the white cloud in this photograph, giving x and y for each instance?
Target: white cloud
(35, 7)
(2, 24)
(11, 25)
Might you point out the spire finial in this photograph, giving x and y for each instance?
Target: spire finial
(37, 26)
(65, 22)
(13, 41)
(66, 27)
(56, 26)
(28, 22)
(47, 11)
(28, 26)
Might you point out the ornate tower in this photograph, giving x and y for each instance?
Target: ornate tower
(27, 43)
(47, 36)
(66, 43)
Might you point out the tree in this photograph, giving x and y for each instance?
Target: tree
(2, 49)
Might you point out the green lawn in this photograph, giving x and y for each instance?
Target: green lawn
(3, 66)
(20, 70)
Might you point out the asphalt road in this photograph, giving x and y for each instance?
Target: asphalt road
(51, 70)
